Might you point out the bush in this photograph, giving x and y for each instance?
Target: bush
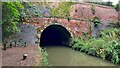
(113, 51)
(105, 47)
(44, 58)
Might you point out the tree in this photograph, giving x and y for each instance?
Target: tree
(101, 3)
(117, 6)
(97, 1)
(10, 17)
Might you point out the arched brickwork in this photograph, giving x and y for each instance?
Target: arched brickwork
(55, 34)
(75, 27)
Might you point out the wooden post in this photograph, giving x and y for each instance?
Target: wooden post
(4, 46)
(10, 44)
(15, 43)
(25, 44)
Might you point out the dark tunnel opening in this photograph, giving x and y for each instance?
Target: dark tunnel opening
(55, 35)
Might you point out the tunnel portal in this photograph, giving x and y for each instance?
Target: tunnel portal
(55, 35)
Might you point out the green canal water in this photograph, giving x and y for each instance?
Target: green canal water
(65, 56)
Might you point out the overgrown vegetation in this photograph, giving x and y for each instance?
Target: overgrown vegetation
(117, 6)
(10, 17)
(62, 10)
(18, 12)
(107, 46)
(44, 58)
(30, 10)
(96, 21)
(103, 3)
(14, 13)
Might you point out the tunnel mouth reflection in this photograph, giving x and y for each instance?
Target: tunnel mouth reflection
(55, 35)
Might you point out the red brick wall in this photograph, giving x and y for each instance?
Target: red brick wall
(84, 11)
(74, 26)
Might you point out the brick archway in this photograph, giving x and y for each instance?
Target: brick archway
(60, 24)
(75, 27)
(55, 34)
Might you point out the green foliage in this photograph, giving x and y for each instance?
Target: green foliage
(44, 58)
(77, 43)
(106, 47)
(103, 3)
(62, 10)
(117, 7)
(10, 17)
(112, 50)
(96, 21)
(111, 33)
(30, 10)
(108, 4)
(68, 18)
(114, 25)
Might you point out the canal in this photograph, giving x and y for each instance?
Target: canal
(59, 55)
(65, 56)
